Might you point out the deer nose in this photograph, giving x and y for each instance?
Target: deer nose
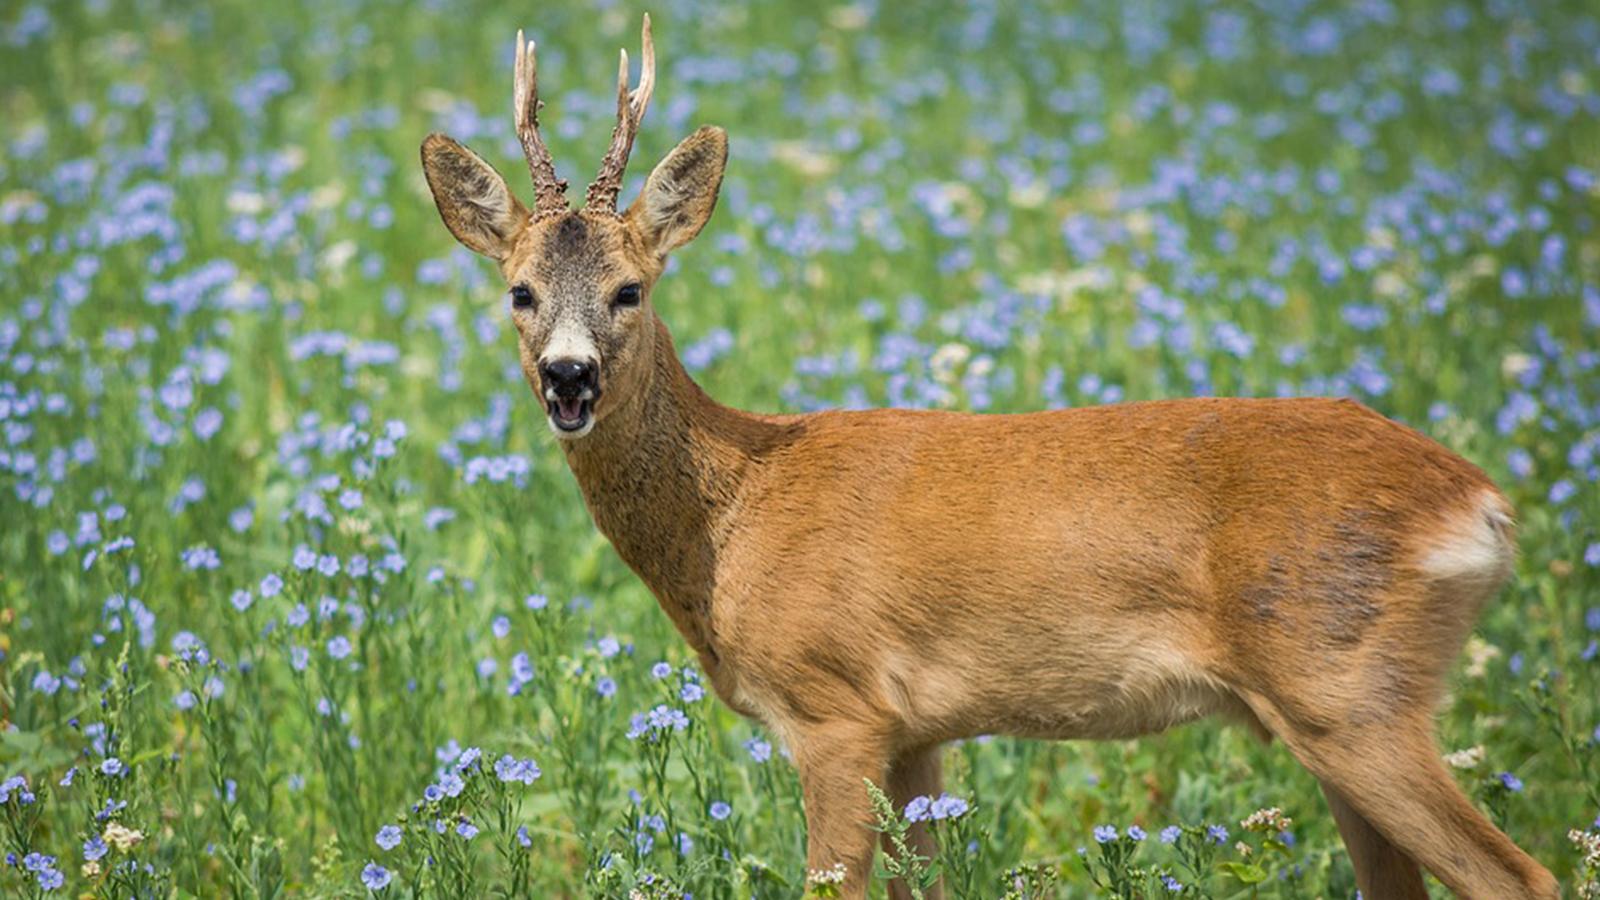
(568, 377)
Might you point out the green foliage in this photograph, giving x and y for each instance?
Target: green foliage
(901, 861)
(286, 549)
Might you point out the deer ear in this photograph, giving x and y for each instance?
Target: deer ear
(474, 201)
(682, 191)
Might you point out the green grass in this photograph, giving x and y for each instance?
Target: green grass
(222, 276)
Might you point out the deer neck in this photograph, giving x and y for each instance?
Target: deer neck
(661, 474)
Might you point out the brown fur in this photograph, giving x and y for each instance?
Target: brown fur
(873, 584)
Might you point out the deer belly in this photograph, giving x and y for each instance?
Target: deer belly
(1087, 686)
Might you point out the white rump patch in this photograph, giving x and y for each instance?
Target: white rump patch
(1474, 544)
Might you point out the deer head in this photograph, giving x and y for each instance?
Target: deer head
(580, 280)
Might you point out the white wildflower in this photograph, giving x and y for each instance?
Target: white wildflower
(1270, 819)
(1467, 758)
(121, 837)
(1479, 654)
(833, 876)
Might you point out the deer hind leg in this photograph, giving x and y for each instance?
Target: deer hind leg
(1383, 871)
(1391, 776)
(915, 773)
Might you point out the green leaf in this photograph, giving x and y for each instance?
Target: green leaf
(1246, 873)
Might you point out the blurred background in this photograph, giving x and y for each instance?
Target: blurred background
(298, 599)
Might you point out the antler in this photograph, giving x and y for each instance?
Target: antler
(602, 195)
(549, 192)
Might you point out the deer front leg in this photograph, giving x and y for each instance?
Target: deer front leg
(834, 764)
(915, 773)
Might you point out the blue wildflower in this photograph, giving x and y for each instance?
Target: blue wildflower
(510, 769)
(657, 723)
(37, 862)
(948, 807)
(45, 683)
(918, 809)
(1562, 491)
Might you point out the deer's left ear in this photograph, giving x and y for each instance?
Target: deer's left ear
(474, 201)
(680, 194)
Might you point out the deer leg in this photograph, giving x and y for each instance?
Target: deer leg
(916, 773)
(1383, 872)
(1391, 775)
(835, 763)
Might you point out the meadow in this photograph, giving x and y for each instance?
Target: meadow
(297, 597)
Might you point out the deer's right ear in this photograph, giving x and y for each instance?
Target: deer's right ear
(474, 201)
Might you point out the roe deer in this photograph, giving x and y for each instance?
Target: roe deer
(871, 585)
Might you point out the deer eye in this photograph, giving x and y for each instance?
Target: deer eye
(627, 296)
(521, 296)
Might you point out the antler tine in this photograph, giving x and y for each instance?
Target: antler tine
(549, 192)
(640, 98)
(602, 194)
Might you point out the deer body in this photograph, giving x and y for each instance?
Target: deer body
(873, 584)
(1090, 573)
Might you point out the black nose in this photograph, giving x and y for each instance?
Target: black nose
(568, 377)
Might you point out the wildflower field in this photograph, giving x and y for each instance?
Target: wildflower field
(298, 598)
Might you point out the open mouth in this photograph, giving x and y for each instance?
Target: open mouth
(570, 413)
